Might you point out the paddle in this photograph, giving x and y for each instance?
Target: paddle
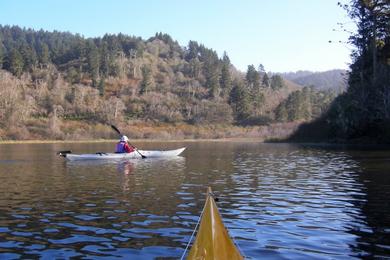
(63, 153)
(119, 132)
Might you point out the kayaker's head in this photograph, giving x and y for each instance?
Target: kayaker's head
(124, 138)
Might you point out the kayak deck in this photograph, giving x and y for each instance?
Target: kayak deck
(119, 156)
(213, 240)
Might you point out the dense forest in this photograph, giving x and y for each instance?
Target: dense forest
(58, 85)
(362, 113)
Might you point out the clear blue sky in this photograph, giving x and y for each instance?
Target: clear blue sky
(283, 35)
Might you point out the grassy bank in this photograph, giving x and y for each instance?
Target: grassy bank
(243, 139)
(77, 131)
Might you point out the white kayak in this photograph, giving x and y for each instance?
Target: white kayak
(119, 156)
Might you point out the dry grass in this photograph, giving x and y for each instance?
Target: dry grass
(77, 131)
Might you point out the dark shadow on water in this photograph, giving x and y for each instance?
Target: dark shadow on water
(373, 175)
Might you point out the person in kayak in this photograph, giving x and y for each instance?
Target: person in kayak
(123, 147)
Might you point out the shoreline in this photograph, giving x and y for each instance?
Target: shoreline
(192, 140)
(239, 139)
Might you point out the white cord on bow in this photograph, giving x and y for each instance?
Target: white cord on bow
(193, 233)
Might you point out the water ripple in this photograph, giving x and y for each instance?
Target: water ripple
(278, 202)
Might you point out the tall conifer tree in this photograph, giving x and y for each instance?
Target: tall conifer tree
(226, 79)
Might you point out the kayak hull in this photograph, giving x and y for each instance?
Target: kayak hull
(213, 240)
(124, 156)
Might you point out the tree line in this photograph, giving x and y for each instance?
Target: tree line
(119, 77)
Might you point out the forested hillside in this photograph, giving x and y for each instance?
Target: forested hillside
(362, 113)
(331, 79)
(64, 86)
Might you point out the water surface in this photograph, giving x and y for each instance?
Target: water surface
(278, 201)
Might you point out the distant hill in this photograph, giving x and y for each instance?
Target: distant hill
(331, 79)
(53, 84)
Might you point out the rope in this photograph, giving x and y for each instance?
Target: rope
(239, 248)
(193, 233)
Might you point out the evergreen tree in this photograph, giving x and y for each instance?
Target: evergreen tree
(266, 81)
(43, 53)
(93, 60)
(147, 82)
(192, 50)
(239, 101)
(212, 83)
(104, 59)
(225, 58)
(252, 77)
(226, 79)
(281, 114)
(195, 67)
(306, 103)
(277, 82)
(257, 101)
(211, 72)
(261, 69)
(16, 63)
(293, 106)
(29, 56)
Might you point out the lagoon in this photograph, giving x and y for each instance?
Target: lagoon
(277, 200)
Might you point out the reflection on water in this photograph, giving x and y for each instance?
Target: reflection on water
(278, 201)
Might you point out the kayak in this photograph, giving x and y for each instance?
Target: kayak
(119, 156)
(213, 240)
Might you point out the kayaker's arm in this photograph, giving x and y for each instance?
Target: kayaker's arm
(119, 132)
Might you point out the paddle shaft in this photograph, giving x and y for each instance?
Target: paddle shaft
(119, 132)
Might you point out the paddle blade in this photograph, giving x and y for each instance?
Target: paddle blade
(116, 129)
(63, 153)
(142, 156)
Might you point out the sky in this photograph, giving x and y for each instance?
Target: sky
(283, 35)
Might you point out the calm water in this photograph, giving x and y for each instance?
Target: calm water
(278, 201)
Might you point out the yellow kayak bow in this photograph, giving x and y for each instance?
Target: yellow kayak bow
(213, 240)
